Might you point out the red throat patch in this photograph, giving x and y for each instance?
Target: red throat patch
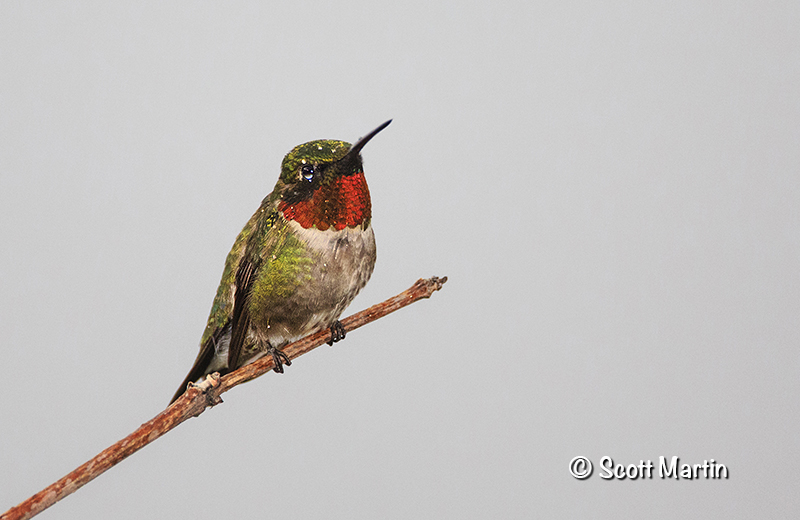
(343, 203)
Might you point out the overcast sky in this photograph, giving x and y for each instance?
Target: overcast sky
(612, 189)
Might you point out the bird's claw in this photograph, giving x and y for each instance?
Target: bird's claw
(337, 332)
(279, 358)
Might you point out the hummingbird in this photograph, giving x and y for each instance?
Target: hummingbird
(298, 263)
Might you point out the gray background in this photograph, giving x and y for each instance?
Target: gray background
(612, 189)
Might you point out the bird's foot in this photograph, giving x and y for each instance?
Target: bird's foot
(279, 358)
(337, 332)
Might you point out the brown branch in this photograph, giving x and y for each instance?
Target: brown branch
(201, 396)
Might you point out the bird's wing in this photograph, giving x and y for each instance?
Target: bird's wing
(229, 319)
(240, 318)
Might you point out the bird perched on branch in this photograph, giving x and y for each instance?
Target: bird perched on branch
(297, 264)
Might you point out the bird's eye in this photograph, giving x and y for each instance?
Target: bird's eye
(307, 172)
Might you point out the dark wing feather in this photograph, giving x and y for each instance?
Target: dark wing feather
(240, 319)
(201, 364)
(238, 326)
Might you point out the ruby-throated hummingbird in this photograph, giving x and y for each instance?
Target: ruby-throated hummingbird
(297, 264)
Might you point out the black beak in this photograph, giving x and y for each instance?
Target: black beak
(356, 149)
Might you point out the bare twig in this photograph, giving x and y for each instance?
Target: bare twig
(201, 396)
